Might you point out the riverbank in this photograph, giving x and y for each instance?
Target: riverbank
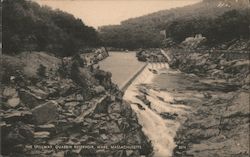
(194, 112)
(61, 107)
(219, 125)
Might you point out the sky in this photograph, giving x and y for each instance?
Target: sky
(109, 12)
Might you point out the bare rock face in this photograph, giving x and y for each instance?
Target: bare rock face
(212, 65)
(15, 116)
(9, 92)
(15, 135)
(45, 113)
(41, 135)
(193, 42)
(38, 92)
(151, 55)
(46, 127)
(99, 90)
(218, 127)
(102, 106)
(82, 107)
(13, 102)
(12, 96)
(30, 99)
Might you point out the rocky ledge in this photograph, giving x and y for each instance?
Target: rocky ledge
(219, 125)
(57, 107)
(234, 71)
(151, 55)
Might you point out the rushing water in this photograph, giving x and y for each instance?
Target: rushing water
(160, 131)
(122, 65)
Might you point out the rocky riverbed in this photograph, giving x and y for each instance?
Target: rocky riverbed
(201, 103)
(218, 125)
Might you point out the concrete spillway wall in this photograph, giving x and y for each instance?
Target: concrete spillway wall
(132, 78)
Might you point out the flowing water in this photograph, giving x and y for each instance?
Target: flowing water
(160, 131)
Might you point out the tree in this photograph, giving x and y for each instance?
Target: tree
(30, 27)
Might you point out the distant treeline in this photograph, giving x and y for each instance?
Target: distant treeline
(28, 26)
(207, 18)
(231, 25)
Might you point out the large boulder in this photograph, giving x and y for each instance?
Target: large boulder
(31, 100)
(99, 90)
(11, 95)
(51, 128)
(9, 92)
(41, 135)
(102, 105)
(45, 113)
(13, 102)
(103, 77)
(193, 42)
(38, 92)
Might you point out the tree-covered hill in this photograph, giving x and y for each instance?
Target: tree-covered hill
(28, 26)
(234, 24)
(145, 31)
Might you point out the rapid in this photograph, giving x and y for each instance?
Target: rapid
(161, 119)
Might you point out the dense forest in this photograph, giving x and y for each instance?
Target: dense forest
(28, 26)
(230, 25)
(218, 20)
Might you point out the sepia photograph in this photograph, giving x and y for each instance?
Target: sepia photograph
(125, 78)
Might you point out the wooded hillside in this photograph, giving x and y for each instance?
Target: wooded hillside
(28, 26)
(144, 31)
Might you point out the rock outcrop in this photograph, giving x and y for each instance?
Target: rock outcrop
(151, 55)
(219, 125)
(70, 111)
(234, 71)
(95, 55)
(193, 42)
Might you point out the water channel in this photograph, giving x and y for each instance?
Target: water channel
(163, 87)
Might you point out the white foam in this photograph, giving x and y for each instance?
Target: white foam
(160, 131)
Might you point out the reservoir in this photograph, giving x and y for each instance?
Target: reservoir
(122, 65)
